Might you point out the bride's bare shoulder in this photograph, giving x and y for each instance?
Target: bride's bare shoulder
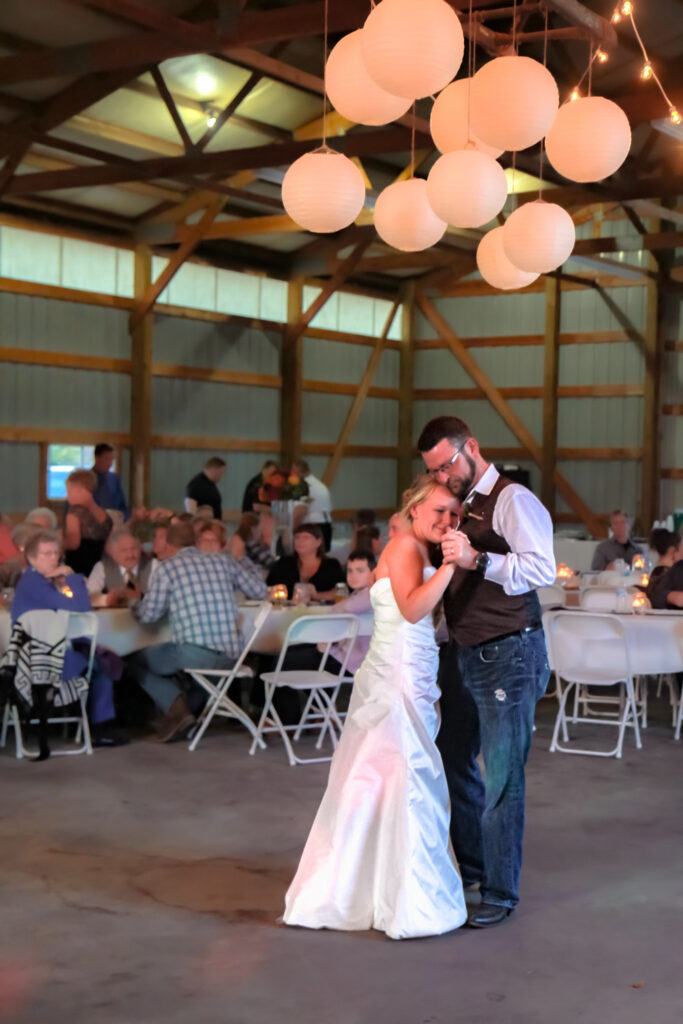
(399, 552)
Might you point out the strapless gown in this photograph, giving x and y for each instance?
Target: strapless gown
(378, 854)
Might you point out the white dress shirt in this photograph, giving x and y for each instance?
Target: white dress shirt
(319, 510)
(524, 523)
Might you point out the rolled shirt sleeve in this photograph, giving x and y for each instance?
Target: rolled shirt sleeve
(524, 523)
(155, 604)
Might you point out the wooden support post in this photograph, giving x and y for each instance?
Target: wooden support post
(141, 386)
(406, 441)
(359, 399)
(509, 417)
(551, 363)
(290, 369)
(649, 471)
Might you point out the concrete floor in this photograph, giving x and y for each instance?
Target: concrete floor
(143, 885)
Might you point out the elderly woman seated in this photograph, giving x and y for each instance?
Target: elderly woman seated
(42, 517)
(87, 525)
(11, 570)
(48, 584)
(309, 564)
(124, 572)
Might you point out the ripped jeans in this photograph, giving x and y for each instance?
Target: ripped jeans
(489, 693)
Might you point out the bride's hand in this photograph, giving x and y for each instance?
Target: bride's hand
(457, 550)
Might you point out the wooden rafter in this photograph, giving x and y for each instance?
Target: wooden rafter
(507, 414)
(359, 399)
(166, 96)
(297, 329)
(175, 263)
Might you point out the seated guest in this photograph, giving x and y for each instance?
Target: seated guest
(368, 538)
(159, 550)
(669, 547)
(42, 517)
(108, 492)
(618, 546)
(47, 584)
(209, 536)
(667, 591)
(202, 489)
(247, 540)
(364, 517)
(87, 525)
(124, 572)
(309, 564)
(398, 525)
(11, 570)
(205, 512)
(7, 548)
(196, 590)
(251, 491)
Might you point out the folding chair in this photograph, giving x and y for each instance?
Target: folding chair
(217, 682)
(602, 599)
(319, 712)
(679, 717)
(591, 650)
(79, 624)
(552, 595)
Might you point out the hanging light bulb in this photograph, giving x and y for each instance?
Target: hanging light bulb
(616, 17)
(646, 71)
(602, 56)
(627, 8)
(211, 120)
(576, 95)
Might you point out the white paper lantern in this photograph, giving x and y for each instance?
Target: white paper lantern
(539, 236)
(412, 48)
(514, 102)
(404, 218)
(448, 120)
(589, 139)
(323, 192)
(467, 188)
(351, 90)
(495, 267)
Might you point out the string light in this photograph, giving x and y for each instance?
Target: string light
(575, 95)
(627, 9)
(647, 71)
(602, 56)
(674, 116)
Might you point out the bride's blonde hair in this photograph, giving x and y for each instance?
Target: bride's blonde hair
(420, 489)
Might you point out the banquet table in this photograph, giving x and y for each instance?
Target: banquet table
(118, 630)
(654, 638)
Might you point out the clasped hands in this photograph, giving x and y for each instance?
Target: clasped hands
(457, 550)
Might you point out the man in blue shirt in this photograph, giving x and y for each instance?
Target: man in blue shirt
(109, 492)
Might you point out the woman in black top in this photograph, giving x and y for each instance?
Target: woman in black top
(309, 564)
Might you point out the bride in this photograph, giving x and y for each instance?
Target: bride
(378, 854)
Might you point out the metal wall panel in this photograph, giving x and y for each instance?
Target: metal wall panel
(361, 483)
(33, 323)
(47, 396)
(585, 310)
(323, 418)
(604, 486)
(344, 363)
(220, 346)
(202, 409)
(19, 477)
(483, 315)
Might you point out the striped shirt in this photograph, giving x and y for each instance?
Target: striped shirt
(196, 589)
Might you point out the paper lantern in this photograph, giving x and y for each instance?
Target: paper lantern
(589, 139)
(448, 120)
(467, 188)
(323, 191)
(495, 267)
(412, 48)
(351, 90)
(404, 218)
(539, 237)
(514, 102)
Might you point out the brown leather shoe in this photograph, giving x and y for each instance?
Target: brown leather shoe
(176, 722)
(487, 915)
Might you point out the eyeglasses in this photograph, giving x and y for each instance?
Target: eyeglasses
(445, 467)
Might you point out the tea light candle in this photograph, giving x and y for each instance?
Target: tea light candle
(67, 591)
(639, 603)
(638, 562)
(278, 592)
(564, 572)
(644, 580)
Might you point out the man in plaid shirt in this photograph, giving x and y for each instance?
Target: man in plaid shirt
(196, 590)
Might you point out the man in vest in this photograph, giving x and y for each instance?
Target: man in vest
(495, 667)
(123, 574)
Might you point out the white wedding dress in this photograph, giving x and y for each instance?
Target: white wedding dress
(378, 854)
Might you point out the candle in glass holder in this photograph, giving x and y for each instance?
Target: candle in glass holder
(564, 572)
(278, 593)
(638, 562)
(644, 580)
(639, 603)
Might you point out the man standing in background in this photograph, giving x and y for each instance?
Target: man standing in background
(251, 491)
(318, 508)
(202, 489)
(109, 493)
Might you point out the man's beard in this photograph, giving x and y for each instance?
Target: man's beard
(461, 488)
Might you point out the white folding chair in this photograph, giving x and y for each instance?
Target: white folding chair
(79, 624)
(552, 595)
(217, 682)
(319, 712)
(591, 650)
(602, 599)
(679, 717)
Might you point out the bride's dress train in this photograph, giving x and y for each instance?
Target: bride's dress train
(378, 854)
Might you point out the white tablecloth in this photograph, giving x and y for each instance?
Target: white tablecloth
(655, 640)
(118, 630)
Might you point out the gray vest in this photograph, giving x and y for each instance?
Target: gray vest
(114, 580)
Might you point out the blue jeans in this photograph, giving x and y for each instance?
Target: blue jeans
(156, 669)
(489, 694)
